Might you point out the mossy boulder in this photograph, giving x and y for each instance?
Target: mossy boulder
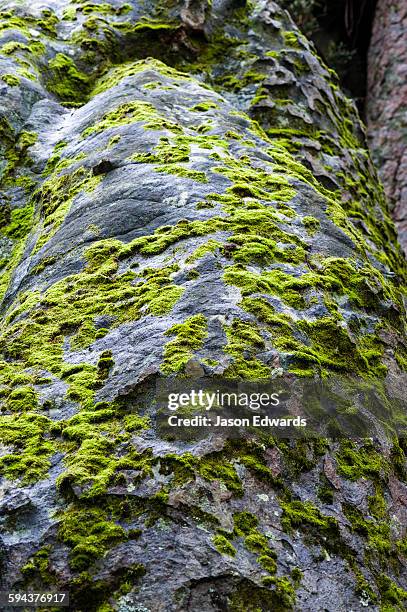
(186, 191)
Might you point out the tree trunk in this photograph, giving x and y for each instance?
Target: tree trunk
(187, 193)
(386, 106)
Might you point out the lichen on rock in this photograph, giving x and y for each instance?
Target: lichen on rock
(185, 188)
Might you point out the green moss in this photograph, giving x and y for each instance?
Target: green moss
(105, 363)
(325, 490)
(401, 358)
(61, 144)
(190, 337)
(302, 455)
(354, 462)
(114, 140)
(267, 563)
(402, 546)
(204, 106)
(55, 196)
(56, 163)
(22, 399)
(224, 546)
(146, 25)
(251, 455)
(192, 274)
(234, 83)
(26, 74)
(26, 140)
(363, 587)
(330, 344)
(391, 594)
(275, 282)
(182, 467)
(334, 346)
(10, 79)
(46, 261)
(261, 231)
(38, 565)
(20, 223)
(209, 247)
(305, 515)
(244, 523)
(377, 505)
(258, 238)
(171, 151)
(312, 224)
(203, 128)
(398, 458)
(249, 181)
(87, 8)
(12, 47)
(5, 213)
(296, 575)
(16, 156)
(68, 83)
(70, 306)
(244, 340)
(249, 597)
(256, 234)
(217, 468)
(37, 48)
(117, 73)
(233, 135)
(381, 546)
(212, 363)
(95, 465)
(69, 14)
(46, 22)
(16, 224)
(26, 436)
(89, 533)
(194, 175)
(122, 115)
(152, 85)
(134, 422)
(86, 590)
(256, 543)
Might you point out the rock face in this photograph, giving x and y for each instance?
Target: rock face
(386, 105)
(185, 189)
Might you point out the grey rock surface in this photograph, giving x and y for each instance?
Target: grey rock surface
(186, 190)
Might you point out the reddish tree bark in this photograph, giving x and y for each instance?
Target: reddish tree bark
(387, 104)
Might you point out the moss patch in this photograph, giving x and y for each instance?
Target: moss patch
(189, 337)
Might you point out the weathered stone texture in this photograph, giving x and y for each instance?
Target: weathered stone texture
(186, 189)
